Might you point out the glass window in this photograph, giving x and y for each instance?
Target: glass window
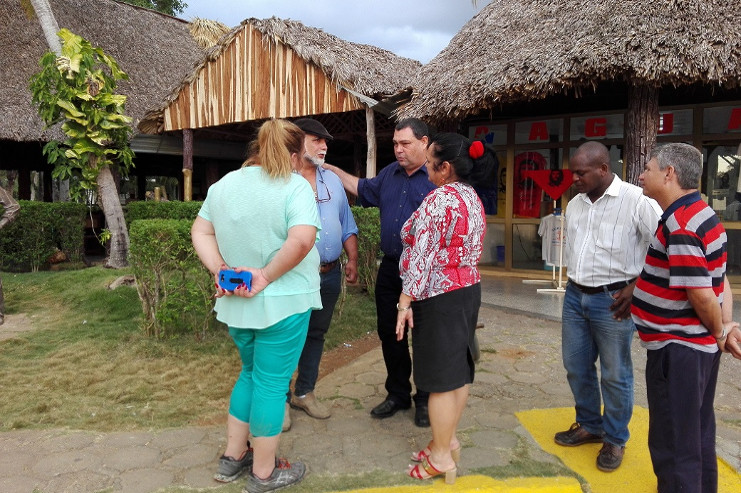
(675, 122)
(495, 197)
(597, 127)
(529, 198)
(491, 134)
(539, 131)
(721, 120)
(493, 248)
(526, 247)
(722, 186)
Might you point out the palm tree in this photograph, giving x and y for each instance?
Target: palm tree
(97, 169)
(51, 28)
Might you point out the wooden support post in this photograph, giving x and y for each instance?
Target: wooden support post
(641, 125)
(187, 164)
(370, 123)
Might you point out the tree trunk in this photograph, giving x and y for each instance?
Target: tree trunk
(118, 255)
(48, 24)
(641, 125)
(51, 28)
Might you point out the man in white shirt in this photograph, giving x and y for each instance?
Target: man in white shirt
(609, 226)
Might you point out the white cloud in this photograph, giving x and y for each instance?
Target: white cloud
(417, 29)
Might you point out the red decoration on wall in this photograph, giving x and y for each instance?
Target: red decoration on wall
(527, 194)
(554, 182)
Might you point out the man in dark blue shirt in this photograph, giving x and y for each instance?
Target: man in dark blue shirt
(397, 191)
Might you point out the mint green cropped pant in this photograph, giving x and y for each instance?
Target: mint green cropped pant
(269, 357)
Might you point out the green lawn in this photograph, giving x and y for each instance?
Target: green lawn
(87, 364)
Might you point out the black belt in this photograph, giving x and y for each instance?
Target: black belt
(601, 289)
(327, 266)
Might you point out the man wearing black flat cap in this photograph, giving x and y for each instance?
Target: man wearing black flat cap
(338, 231)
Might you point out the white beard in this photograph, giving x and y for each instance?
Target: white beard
(316, 161)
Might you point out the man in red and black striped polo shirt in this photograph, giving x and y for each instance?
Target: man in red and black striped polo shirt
(677, 311)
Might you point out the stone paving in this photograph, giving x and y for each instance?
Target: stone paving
(520, 369)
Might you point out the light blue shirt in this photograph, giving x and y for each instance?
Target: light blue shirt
(338, 223)
(251, 214)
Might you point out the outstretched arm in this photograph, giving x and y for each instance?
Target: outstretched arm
(350, 182)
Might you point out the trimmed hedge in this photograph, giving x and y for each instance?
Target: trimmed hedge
(368, 220)
(161, 210)
(39, 229)
(174, 287)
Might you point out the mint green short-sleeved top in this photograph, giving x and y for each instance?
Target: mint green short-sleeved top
(251, 214)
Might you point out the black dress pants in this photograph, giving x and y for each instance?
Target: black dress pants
(680, 386)
(396, 354)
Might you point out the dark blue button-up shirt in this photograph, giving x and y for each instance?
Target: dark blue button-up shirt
(397, 195)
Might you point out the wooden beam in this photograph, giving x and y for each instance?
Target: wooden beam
(187, 165)
(370, 123)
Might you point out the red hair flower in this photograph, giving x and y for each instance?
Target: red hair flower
(476, 150)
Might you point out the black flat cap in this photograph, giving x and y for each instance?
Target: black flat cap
(313, 127)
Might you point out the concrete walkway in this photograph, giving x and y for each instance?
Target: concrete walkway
(520, 369)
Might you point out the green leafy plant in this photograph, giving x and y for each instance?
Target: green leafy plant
(39, 230)
(174, 288)
(369, 245)
(77, 89)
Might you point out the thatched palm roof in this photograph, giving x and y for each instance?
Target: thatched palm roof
(519, 50)
(207, 32)
(155, 50)
(364, 69)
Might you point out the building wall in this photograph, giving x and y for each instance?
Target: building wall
(547, 142)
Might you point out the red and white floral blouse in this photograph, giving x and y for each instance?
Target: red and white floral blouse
(442, 242)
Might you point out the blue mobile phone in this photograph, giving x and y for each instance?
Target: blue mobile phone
(230, 280)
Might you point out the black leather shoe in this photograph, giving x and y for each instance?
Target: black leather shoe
(422, 417)
(386, 409)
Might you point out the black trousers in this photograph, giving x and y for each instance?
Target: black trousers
(395, 353)
(680, 386)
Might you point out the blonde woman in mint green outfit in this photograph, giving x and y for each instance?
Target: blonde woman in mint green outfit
(263, 218)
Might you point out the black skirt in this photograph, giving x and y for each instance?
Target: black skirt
(442, 339)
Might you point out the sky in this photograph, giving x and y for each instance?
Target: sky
(417, 29)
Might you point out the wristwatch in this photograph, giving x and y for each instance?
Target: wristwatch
(719, 339)
(405, 308)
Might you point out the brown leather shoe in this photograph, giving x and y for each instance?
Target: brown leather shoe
(575, 436)
(610, 457)
(310, 405)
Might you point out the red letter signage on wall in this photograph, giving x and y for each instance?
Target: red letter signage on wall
(539, 131)
(595, 127)
(735, 121)
(666, 123)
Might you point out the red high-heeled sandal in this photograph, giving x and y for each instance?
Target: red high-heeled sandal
(425, 470)
(425, 453)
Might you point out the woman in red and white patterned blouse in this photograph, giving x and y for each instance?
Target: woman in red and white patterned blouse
(441, 290)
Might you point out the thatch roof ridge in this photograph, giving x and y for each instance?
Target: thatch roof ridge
(515, 50)
(365, 69)
(154, 49)
(370, 70)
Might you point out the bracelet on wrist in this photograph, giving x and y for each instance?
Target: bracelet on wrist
(723, 335)
(402, 308)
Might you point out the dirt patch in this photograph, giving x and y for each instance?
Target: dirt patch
(514, 353)
(15, 324)
(344, 354)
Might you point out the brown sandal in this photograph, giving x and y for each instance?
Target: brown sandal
(425, 470)
(425, 453)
